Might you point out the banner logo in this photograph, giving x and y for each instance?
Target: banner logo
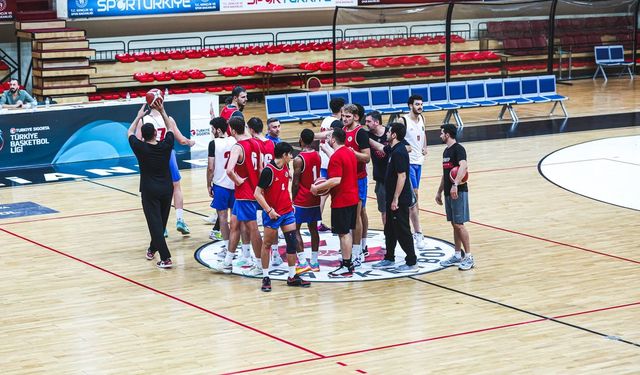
(329, 258)
(82, 3)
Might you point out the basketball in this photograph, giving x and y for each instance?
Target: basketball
(454, 173)
(153, 95)
(318, 182)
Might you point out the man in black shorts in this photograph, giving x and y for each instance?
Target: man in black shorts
(379, 159)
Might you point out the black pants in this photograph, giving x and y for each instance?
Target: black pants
(156, 211)
(397, 229)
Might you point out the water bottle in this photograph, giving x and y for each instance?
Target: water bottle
(46, 102)
(128, 96)
(166, 92)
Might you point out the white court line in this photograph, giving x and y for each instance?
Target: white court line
(607, 170)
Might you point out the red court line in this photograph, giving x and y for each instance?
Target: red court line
(535, 237)
(390, 346)
(263, 333)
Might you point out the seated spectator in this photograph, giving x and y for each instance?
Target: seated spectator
(15, 97)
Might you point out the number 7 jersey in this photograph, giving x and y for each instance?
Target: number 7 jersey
(222, 153)
(248, 168)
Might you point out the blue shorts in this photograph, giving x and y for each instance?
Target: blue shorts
(283, 220)
(173, 166)
(415, 172)
(324, 173)
(245, 210)
(457, 209)
(223, 198)
(307, 214)
(362, 190)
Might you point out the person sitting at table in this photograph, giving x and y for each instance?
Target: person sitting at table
(15, 97)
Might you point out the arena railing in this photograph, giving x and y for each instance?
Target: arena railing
(164, 44)
(107, 50)
(306, 36)
(239, 40)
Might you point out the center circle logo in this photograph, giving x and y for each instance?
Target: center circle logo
(429, 258)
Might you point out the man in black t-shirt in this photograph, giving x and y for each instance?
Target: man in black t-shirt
(156, 184)
(455, 195)
(379, 159)
(398, 199)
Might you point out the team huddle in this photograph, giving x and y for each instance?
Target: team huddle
(249, 175)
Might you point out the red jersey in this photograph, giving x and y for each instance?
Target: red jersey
(267, 148)
(343, 164)
(310, 173)
(248, 169)
(352, 142)
(228, 111)
(275, 182)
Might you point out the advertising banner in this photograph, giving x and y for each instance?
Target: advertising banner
(7, 9)
(396, 2)
(123, 8)
(261, 5)
(60, 136)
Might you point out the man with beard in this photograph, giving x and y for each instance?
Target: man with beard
(15, 97)
(235, 104)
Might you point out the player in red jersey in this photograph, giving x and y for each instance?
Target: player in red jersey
(243, 169)
(357, 138)
(234, 106)
(306, 170)
(272, 193)
(343, 182)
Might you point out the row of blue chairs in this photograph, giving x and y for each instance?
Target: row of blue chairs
(448, 97)
(608, 56)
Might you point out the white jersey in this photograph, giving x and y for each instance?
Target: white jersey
(324, 126)
(222, 153)
(416, 139)
(158, 123)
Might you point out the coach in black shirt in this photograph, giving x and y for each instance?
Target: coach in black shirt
(398, 197)
(156, 185)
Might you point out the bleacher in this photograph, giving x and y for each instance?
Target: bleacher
(451, 97)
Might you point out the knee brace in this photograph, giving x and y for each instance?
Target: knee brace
(292, 242)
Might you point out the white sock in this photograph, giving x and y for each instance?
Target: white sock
(228, 258)
(314, 257)
(258, 264)
(274, 250)
(292, 271)
(357, 250)
(246, 251)
(265, 273)
(458, 254)
(363, 243)
(179, 212)
(301, 257)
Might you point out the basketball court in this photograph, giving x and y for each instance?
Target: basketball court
(554, 209)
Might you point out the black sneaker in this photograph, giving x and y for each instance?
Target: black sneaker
(342, 272)
(365, 252)
(266, 284)
(298, 281)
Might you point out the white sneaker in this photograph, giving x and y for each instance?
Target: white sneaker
(254, 271)
(210, 219)
(467, 263)
(276, 259)
(222, 254)
(222, 268)
(244, 262)
(453, 261)
(419, 239)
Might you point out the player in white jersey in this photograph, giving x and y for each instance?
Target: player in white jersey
(335, 120)
(219, 185)
(417, 139)
(155, 118)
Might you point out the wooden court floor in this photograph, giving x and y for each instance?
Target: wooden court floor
(554, 290)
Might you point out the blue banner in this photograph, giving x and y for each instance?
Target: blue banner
(53, 137)
(124, 8)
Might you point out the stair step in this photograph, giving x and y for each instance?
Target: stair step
(63, 53)
(69, 99)
(38, 34)
(41, 24)
(51, 82)
(56, 44)
(62, 90)
(63, 72)
(61, 63)
(36, 15)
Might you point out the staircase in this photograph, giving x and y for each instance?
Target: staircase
(34, 10)
(60, 59)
